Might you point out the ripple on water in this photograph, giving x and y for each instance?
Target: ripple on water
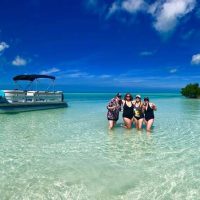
(70, 154)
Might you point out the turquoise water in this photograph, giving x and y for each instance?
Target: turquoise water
(70, 154)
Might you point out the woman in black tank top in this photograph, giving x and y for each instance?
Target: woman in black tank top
(128, 110)
(149, 109)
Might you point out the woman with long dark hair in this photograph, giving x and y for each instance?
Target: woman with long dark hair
(149, 109)
(128, 111)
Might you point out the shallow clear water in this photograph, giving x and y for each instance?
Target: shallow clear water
(70, 154)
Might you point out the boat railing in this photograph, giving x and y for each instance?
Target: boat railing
(19, 96)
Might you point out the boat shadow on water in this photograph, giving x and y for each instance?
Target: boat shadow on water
(16, 112)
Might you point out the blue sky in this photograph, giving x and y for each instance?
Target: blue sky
(102, 45)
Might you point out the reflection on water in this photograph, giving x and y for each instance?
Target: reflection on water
(71, 154)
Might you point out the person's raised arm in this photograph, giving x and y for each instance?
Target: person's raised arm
(153, 106)
(123, 102)
(110, 106)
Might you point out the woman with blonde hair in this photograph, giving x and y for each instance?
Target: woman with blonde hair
(138, 112)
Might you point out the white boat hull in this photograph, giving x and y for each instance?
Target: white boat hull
(21, 101)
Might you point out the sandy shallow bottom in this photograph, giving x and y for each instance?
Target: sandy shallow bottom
(70, 154)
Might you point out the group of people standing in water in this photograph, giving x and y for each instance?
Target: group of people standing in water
(134, 111)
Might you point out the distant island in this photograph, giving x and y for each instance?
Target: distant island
(191, 90)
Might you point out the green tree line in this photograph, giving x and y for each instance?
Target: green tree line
(191, 90)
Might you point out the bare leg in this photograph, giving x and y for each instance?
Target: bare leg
(149, 125)
(128, 123)
(140, 122)
(111, 124)
(136, 122)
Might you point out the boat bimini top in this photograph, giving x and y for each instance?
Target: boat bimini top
(31, 78)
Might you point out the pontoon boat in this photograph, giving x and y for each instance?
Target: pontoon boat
(27, 100)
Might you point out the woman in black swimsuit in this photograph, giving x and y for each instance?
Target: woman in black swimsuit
(149, 109)
(138, 112)
(128, 110)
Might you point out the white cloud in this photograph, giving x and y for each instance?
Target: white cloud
(3, 46)
(147, 53)
(130, 6)
(196, 59)
(76, 74)
(154, 7)
(114, 8)
(174, 70)
(19, 61)
(168, 14)
(105, 76)
(50, 71)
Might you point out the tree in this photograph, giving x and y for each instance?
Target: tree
(191, 90)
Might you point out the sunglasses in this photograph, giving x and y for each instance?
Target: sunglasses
(128, 96)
